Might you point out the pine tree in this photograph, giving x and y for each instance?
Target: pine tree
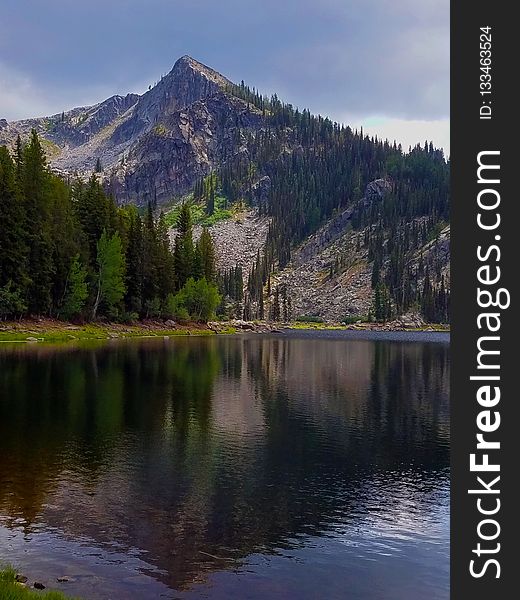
(96, 213)
(110, 275)
(376, 272)
(11, 302)
(13, 246)
(35, 189)
(261, 307)
(66, 238)
(151, 283)
(196, 270)
(276, 306)
(239, 284)
(184, 251)
(285, 304)
(18, 158)
(210, 196)
(134, 264)
(382, 303)
(76, 290)
(165, 265)
(206, 249)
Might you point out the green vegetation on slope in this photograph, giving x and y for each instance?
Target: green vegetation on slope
(316, 169)
(68, 251)
(299, 170)
(199, 214)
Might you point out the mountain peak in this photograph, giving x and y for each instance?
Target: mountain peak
(187, 63)
(188, 81)
(110, 129)
(187, 59)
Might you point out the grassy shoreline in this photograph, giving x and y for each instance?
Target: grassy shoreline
(14, 587)
(53, 331)
(50, 331)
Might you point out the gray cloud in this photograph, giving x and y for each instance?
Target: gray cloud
(356, 57)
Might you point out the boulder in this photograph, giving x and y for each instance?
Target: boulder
(376, 189)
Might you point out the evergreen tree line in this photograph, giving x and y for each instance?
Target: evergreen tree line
(67, 251)
(231, 283)
(232, 182)
(317, 168)
(314, 167)
(400, 280)
(231, 286)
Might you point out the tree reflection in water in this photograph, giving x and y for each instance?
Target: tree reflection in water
(202, 451)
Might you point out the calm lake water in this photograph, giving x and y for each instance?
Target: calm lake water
(241, 467)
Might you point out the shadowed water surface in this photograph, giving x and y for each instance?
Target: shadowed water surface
(229, 467)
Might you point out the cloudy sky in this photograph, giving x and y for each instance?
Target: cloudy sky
(380, 64)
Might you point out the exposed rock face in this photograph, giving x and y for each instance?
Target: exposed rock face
(237, 240)
(183, 146)
(330, 232)
(153, 146)
(186, 83)
(348, 293)
(87, 125)
(189, 81)
(377, 189)
(71, 129)
(439, 249)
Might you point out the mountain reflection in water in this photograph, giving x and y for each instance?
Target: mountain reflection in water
(280, 466)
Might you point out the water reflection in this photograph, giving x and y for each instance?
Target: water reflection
(193, 454)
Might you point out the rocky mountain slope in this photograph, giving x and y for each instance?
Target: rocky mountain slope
(158, 146)
(329, 275)
(150, 147)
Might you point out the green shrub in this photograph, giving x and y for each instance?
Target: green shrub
(199, 216)
(309, 319)
(351, 319)
(174, 309)
(197, 300)
(181, 315)
(160, 130)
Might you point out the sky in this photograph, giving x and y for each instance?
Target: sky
(378, 64)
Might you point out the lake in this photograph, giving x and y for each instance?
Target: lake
(293, 466)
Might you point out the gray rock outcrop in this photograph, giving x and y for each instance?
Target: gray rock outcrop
(150, 147)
